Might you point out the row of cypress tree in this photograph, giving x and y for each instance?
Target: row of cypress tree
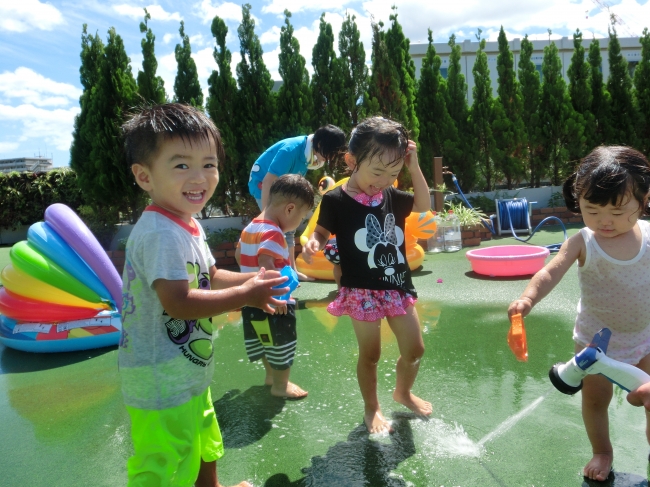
(534, 130)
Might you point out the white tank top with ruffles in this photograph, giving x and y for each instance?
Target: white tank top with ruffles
(614, 294)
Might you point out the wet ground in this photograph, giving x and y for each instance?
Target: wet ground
(496, 421)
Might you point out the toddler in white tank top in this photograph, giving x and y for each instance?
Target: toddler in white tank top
(610, 189)
(623, 307)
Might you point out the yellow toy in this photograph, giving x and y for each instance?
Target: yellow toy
(418, 226)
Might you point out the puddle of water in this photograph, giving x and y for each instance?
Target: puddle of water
(449, 440)
(436, 438)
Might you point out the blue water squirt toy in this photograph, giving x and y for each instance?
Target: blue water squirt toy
(291, 282)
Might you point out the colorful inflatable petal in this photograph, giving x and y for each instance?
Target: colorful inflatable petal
(27, 286)
(26, 258)
(25, 309)
(50, 244)
(77, 235)
(102, 330)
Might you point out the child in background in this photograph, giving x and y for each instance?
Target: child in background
(610, 189)
(171, 290)
(368, 214)
(294, 155)
(262, 244)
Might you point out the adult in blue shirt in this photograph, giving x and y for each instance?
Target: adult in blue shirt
(294, 156)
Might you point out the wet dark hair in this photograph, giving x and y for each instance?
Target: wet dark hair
(606, 175)
(146, 129)
(377, 136)
(292, 187)
(329, 142)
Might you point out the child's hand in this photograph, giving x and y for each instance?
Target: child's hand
(520, 306)
(310, 249)
(640, 396)
(411, 155)
(281, 310)
(260, 291)
(271, 273)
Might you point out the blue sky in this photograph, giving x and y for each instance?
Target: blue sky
(40, 42)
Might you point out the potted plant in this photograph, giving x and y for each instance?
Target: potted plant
(472, 229)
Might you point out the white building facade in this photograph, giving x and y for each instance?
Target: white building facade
(630, 49)
(25, 164)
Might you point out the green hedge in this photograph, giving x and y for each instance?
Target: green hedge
(25, 196)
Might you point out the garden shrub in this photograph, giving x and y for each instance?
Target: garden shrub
(24, 196)
(218, 237)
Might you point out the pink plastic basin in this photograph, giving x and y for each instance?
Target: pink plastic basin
(508, 260)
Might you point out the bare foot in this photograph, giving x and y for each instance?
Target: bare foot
(268, 380)
(414, 403)
(304, 277)
(292, 391)
(599, 466)
(240, 484)
(376, 423)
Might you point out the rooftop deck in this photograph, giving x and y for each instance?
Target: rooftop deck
(496, 421)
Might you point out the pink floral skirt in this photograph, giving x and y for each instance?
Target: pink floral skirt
(370, 304)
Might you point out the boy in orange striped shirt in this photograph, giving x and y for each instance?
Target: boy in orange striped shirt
(272, 337)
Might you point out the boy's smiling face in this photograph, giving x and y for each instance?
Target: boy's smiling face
(181, 177)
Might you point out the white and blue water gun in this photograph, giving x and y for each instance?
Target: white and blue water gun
(567, 377)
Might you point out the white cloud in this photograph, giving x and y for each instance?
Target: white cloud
(196, 40)
(206, 11)
(8, 146)
(53, 126)
(199, 40)
(307, 36)
(294, 6)
(205, 64)
(532, 17)
(272, 62)
(33, 88)
(26, 15)
(271, 36)
(137, 13)
(167, 69)
(136, 63)
(236, 59)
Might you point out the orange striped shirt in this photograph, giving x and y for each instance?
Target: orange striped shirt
(262, 237)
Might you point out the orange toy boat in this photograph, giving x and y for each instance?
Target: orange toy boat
(517, 338)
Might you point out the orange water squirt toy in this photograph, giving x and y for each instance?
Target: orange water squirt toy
(418, 226)
(517, 338)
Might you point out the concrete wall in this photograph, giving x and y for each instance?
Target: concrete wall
(209, 225)
(538, 196)
(9, 237)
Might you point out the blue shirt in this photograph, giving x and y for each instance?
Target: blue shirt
(284, 157)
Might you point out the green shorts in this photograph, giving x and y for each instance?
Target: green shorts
(169, 444)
